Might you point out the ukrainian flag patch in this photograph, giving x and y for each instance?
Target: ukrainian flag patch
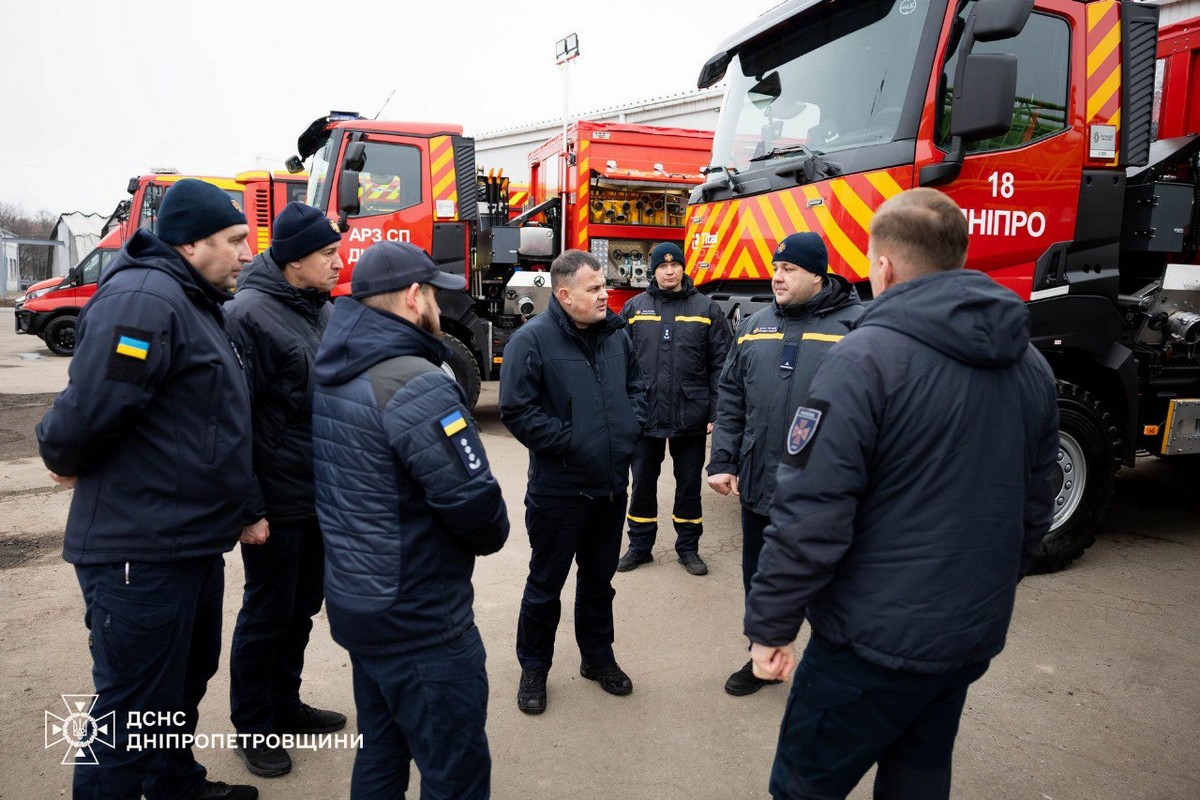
(453, 423)
(129, 359)
(133, 347)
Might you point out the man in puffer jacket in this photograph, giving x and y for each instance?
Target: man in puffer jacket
(406, 501)
(681, 340)
(918, 480)
(276, 319)
(776, 352)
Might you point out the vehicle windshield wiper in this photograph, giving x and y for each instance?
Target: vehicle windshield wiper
(783, 151)
(815, 168)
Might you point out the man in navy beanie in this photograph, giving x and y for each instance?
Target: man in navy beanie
(776, 352)
(277, 319)
(153, 434)
(681, 339)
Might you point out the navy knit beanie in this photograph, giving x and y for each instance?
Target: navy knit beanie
(662, 253)
(192, 210)
(804, 250)
(300, 230)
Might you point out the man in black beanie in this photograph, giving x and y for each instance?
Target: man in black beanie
(153, 434)
(277, 319)
(775, 354)
(681, 339)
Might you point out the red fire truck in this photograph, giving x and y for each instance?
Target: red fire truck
(1067, 132)
(624, 189)
(50, 308)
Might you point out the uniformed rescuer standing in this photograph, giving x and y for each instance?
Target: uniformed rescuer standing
(153, 432)
(276, 319)
(918, 479)
(571, 391)
(406, 501)
(775, 354)
(681, 341)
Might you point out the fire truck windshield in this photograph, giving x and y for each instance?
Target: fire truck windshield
(837, 78)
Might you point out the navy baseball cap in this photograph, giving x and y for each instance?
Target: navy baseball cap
(394, 266)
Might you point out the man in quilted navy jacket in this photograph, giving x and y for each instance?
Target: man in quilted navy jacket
(917, 480)
(405, 501)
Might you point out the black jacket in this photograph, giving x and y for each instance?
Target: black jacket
(405, 497)
(277, 328)
(759, 392)
(155, 421)
(576, 400)
(903, 525)
(681, 340)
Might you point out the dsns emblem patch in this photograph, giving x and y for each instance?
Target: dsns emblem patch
(804, 427)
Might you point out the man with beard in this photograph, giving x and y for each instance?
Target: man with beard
(775, 355)
(681, 340)
(276, 319)
(406, 501)
(572, 392)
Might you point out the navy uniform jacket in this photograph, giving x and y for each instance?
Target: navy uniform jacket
(681, 340)
(405, 497)
(155, 421)
(907, 513)
(578, 402)
(776, 352)
(277, 328)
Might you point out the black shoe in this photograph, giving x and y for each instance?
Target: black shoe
(693, 563)
(216, 790)
(744, 682)
(531, 694)
(611, 678)
(265, 762)
(307, 719)
(633, 559)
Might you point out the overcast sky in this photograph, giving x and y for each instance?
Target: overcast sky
(92, 93)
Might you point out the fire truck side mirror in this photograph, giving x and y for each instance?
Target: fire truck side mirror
(348, 186)
(983, 101)
(1000, 19)
(356, 156)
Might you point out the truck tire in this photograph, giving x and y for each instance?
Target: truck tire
(60, 335)
(1087, 461)
(463, 368)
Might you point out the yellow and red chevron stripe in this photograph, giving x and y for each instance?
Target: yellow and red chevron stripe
(582, 191)
(1104, 66)
(734, 239)
(442, 175)
(518, 196)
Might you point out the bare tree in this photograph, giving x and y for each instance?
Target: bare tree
(34, 260)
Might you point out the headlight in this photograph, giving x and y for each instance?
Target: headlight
(34, 295)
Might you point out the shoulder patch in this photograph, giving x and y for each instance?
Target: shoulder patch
(129, 354)
(803, 429)
(464, 441)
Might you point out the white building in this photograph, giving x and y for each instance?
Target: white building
(10, 263)
(509, 149)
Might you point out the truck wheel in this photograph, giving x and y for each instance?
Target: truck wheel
(60, 336)
(1088, 444)
(463, 368)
